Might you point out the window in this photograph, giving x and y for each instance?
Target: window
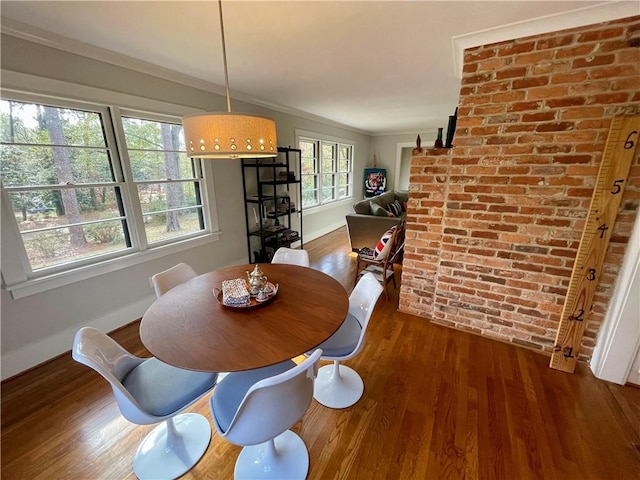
(167, 181)
(326, 171)
(78, 199)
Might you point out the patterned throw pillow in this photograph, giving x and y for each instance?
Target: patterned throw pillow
(382, 249)
(395, 208)
(380, 211)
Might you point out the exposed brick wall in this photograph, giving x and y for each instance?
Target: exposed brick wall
(494, 224)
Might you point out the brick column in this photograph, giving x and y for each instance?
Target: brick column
(494, 224)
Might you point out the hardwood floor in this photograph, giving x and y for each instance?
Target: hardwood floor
(438, 403)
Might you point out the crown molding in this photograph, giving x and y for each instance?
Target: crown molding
(69, 45)
(550, 23)
(59, 42)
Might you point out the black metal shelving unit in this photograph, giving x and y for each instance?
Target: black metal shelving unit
(272, 199)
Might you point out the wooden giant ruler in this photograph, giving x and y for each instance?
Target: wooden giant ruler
(607, 195)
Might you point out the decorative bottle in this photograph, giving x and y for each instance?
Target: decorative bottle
(438, 143)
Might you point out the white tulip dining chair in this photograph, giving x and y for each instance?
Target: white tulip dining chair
(339, 386)
(167, 279)
(256, 408)
(291, 256)
(149, 391)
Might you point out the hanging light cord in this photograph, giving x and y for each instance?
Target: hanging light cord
(224, 57)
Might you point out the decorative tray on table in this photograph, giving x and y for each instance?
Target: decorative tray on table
(251, 301)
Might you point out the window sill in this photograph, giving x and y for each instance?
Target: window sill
(327, 206)
(42, 284)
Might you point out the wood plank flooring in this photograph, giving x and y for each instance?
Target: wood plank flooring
(438, 404)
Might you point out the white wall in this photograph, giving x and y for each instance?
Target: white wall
(41, 326)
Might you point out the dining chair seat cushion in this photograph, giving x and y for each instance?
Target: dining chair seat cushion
(161, 389)
(230, 392)
(344, 341)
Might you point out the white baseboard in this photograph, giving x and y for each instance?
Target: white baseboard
(323, 231)
(39, 352)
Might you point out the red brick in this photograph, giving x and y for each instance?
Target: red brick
(477, 54)
(539, 116)
(500, 140)
(488, 130)
(629, 83)
(492, 109)
(582, 113)
(593, 124)
(571, 77)
(565, 102)
(490, 199)
(629, 56)
(524, 106)
(507, 97)
(533, 58)
(492, 87)
(470, 68)
(494, 64)
(515, 48)
(555, 42)
(576, 136)
(600, 35)
(478, 188)
(549, 67)
(568, 181)
(553, 222)
(514, 170)
(525, 180)
(518, 128)
(591, 61)
(547, 92)
(577, 51)
(544, 149)
(555, 127)
(614, 71)
(511, 73)
(618, 97)
(477, 78)
(579, 192)
(530, 82)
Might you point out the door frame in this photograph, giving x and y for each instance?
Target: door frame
(619, 337)
(400, 146)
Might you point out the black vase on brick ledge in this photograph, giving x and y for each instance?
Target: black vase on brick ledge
(451, 129)
(438, 143)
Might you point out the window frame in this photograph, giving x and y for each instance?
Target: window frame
(337, 143)
(17, 275)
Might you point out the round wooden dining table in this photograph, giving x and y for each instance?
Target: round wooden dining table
(189, 327)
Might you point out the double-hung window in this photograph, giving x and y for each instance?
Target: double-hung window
(168, 183)
(87, 183)
(326, 171)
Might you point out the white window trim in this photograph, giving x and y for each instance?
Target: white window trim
(14, 274)
(329, 139)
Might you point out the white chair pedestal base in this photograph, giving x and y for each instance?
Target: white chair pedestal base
(173, 447)
(337, 386)
(283, 458)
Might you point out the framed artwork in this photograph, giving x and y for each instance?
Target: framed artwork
(375, 181)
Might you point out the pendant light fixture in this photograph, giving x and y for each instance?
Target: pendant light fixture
(226, 134)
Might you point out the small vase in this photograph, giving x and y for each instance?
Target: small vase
(438, 143)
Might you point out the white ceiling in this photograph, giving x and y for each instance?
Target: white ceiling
(377, 66)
